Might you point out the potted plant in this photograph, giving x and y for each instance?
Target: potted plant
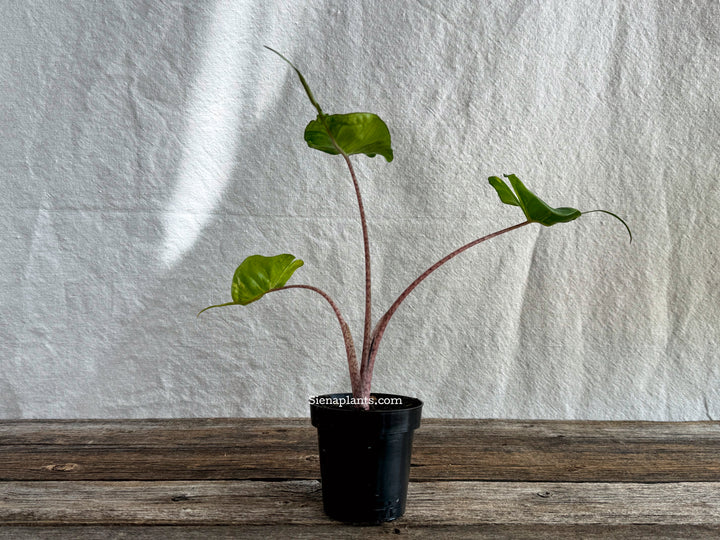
(365, 439)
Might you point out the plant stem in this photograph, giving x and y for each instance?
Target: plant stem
(347, 336)
(363, 222)
(377, 334)
(366, 247)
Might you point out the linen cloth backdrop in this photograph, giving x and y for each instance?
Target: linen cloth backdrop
(148, 147)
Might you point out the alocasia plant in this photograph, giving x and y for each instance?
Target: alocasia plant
(366, 133)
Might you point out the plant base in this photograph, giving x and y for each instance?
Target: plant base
(365, 455)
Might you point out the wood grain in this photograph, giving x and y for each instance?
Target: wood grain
(333, 531)
(257, 478)
(240, 449)
(298, 503)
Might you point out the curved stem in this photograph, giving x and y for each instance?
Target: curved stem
(377, 334)
(347, 336)
(366, 247)
(363, 222)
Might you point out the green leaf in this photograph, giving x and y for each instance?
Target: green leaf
(505, 193)
(535, 209)
(302, 80)
(258, 275)
(354, 133)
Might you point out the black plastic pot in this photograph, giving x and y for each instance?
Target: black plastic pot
(365, 455)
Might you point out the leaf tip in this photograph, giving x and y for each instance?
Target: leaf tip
(621, 220)
(215, 306)
(304, 83)
(276, 52)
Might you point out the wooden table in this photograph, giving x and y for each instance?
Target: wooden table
(257, 478)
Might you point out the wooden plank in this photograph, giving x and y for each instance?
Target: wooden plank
(298, 503)
(217, 449)
(158, 449)
(569, 451)
(153, 433)
(332, 531)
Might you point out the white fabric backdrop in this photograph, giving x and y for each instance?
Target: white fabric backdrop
(148, 147)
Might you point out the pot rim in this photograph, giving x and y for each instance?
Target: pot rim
(397, 418)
